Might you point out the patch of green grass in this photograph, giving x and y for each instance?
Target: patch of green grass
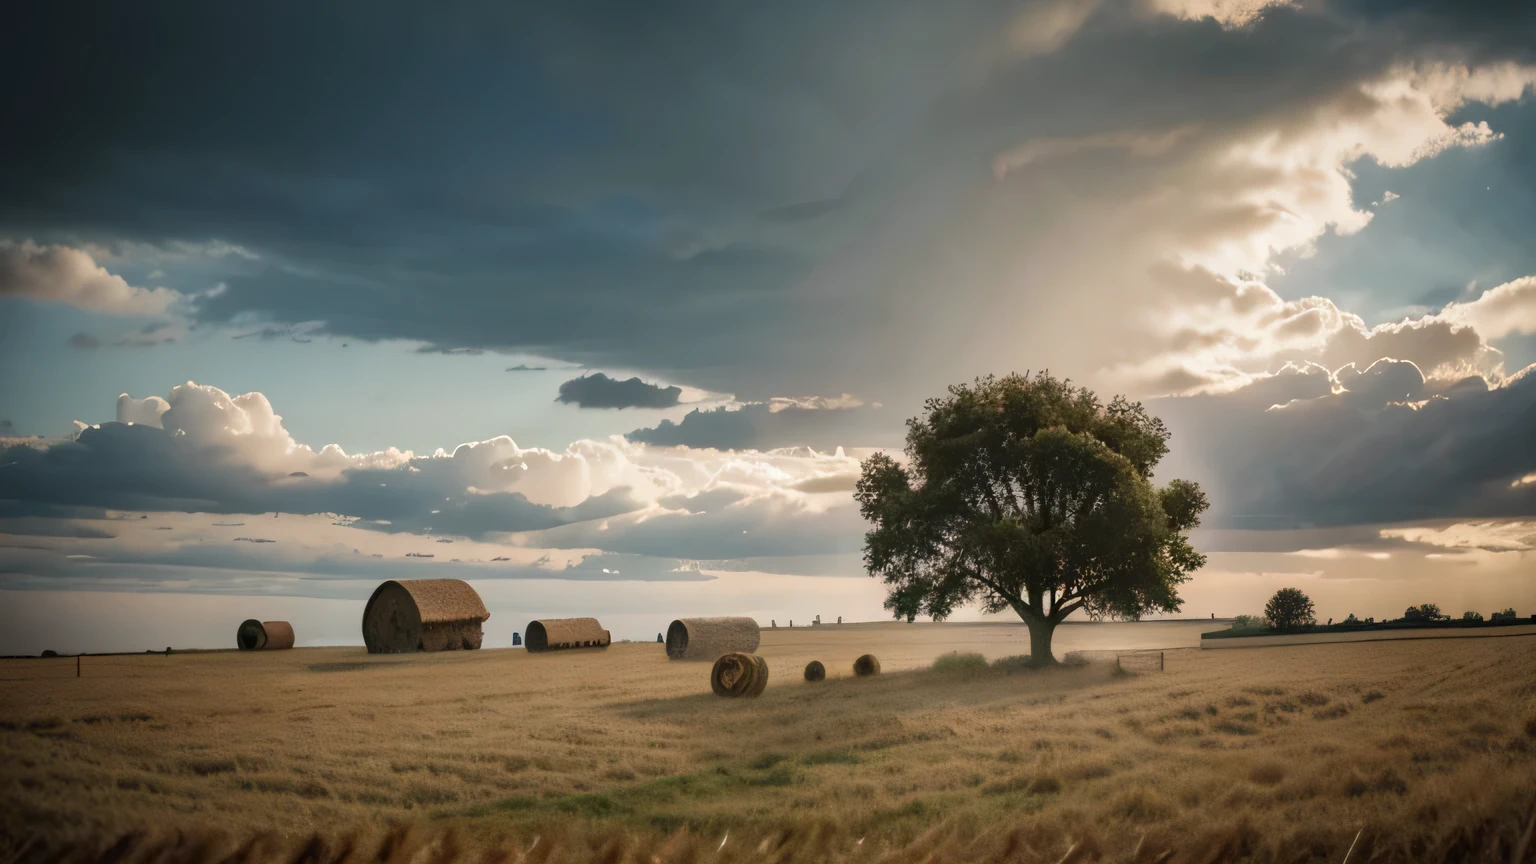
(831, 757)
(780, 776)
(1007, 786)
(1013, 663)
(768, 760)
(957, 661)
(589, 804)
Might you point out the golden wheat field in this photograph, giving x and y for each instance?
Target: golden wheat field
(1409, 751)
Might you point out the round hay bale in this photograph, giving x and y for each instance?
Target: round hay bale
(814, 671)
(738, 675)
(869, 664)
(423, 615)
(553, 634)
(760, 683)
(708, 638)
(251, 636)
(256, 635)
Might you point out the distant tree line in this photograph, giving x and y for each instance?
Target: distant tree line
(1290, 610)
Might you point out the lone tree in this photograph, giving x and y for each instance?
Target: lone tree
(1029, 494)
(1289, 609)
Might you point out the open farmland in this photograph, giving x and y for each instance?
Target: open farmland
(1280, 754)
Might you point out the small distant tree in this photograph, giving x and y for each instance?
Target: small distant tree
(1289, 609)
(1475, 616)
(1506, 615)
(1431, 612)
(1027, 493)
(1248, 622)
(1351, 619)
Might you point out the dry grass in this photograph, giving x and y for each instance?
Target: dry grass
(1275, 755)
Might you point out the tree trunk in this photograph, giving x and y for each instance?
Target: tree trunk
(1040, 632)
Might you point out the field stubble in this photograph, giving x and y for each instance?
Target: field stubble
(1275, 755)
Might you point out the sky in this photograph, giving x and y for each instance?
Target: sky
(599, 305)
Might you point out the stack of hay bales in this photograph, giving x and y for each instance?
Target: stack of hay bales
(708, 638)
(553, 634)
(737, 674)
(256, 635)
(423, 615)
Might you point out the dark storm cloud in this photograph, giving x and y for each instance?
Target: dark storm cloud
(1287, 452)
(759, 427)
(84, 342)
(634, 184)
(600, 391)
(139, 467)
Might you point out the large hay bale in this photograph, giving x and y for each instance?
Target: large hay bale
(256, 635)
(868, 664)
(708, 638)
(814, 671)
(554, 634)
(738, 674)
(423, 615)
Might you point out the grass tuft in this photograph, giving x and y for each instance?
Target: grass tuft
(959, 662)
(831, 757)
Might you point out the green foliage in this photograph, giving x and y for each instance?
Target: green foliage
(1249, 622)
(1424, 612)
(831, 757)
(1351, 619)
(1013, 663)
(1473, 616)
(1289, 609)
(955, 661)
(1029, 494)
(768, 760)
(1506, 615)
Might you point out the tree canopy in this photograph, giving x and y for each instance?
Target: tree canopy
(1289, 609)
(1026, 493)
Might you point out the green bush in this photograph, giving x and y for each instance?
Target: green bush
(956, 661)
(1012, 663)
(1472, 616)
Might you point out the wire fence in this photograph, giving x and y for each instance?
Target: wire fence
(1127, 661)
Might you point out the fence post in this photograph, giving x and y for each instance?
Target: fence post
(1159, 661)
(1117, 664)
(77, 665)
